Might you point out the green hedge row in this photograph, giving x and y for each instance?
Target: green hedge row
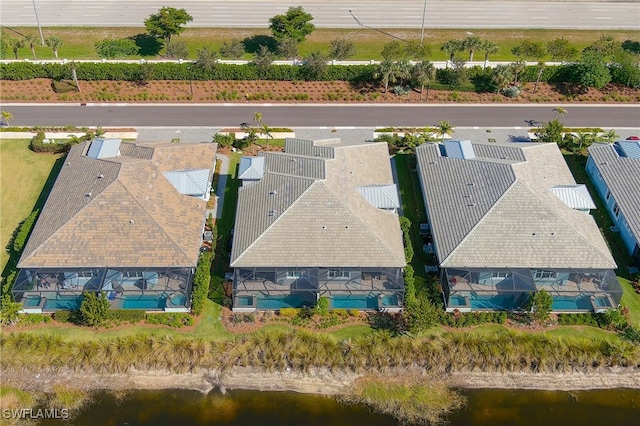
(467, 319)
(23, 232)
(174, 71)
(201, 282)
(176, 320)
(37, 145)
(126, 315)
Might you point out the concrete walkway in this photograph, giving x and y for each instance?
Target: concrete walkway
(222, 183)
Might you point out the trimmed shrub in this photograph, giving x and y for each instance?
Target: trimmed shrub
(34, 319)
(201, 281)
(322, 306)
(66, 316)
(94, 308)
(176, 320)
(23, 232)
(289, 312)
(126, 315)
(468, 319)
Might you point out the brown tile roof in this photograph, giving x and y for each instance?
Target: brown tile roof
(121, 211)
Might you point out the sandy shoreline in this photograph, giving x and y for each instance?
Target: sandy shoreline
(317, 381)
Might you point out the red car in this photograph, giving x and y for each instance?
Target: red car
(633, 138)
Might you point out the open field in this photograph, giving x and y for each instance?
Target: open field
(25, 181)
(79, 42)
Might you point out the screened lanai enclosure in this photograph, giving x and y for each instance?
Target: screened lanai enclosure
(149, 289)
(468, 290)
(363, 288)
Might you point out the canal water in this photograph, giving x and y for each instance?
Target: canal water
(238, 408)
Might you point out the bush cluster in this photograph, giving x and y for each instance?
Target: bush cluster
(92, 71)
(125, 315)
(37, 145)
(467, 319)
(34, 319)
(176, 320)
(24, 230)
(289, 312)
(201, 281)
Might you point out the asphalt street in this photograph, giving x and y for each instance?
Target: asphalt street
(307, 115)
(471, 14)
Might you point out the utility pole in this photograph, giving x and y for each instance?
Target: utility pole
(35, 10)
(424, 13)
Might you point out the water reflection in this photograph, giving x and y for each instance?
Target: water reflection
(484, 407)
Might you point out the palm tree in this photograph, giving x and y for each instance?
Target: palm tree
(14, 44)
(518, 68)
(424, 73)
(611, 136)
(32, 40)
(541, 67)
(560, 111)
(451, 47)
(488, 47)
(444, 128)
(386, 72)
(472, 43)
(7, 117)
(403, 70)
(583, 139)
(55, 43)
(501, 76)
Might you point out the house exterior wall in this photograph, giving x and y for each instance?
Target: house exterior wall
(616, 215)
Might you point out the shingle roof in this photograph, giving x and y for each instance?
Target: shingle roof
(121, 212)
(459, 149)
(288, 220)
(630, 149)
(251, 168)
(495, 214)
(622, 176)
(293, 165)
(310, 148)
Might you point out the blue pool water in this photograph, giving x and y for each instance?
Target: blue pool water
(390, 300)
(244, 301)
(143, 302)
(290, 301)
(178, 300)
(495, 302)
(602, 302)
(571, 303)
(457, 301)
(355, 301)
(30, 302)
(71, 303)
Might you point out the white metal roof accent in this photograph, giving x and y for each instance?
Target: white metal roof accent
(459, 149)
(381, 196)
(104, 148)
(251, 168)
(575, 196)
(630, 149)
(189, 182)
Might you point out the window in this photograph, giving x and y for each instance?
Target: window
(499, 275)
(626, 225)
(294, 274)
(86, 274)
(132, 274)
(608, 195)
(541, 275)
(616, 210)
(341, 275)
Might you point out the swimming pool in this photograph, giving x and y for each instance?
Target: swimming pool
(494, 301)
(288, 301)
(71, 303)
(177, 300)
(143, 302)
(571, 303)
(244, 301)
(390, 300)
(31, 301)
(355, 301)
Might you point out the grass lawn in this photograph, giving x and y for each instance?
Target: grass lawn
(632, 300)
(79, 42)
(25, 181)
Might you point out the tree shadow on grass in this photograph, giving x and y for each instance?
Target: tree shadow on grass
(252, 44)
(147, 45)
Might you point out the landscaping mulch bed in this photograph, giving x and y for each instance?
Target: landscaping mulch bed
(42, 90)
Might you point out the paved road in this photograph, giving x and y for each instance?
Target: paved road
(320, 115)
(467, 14)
